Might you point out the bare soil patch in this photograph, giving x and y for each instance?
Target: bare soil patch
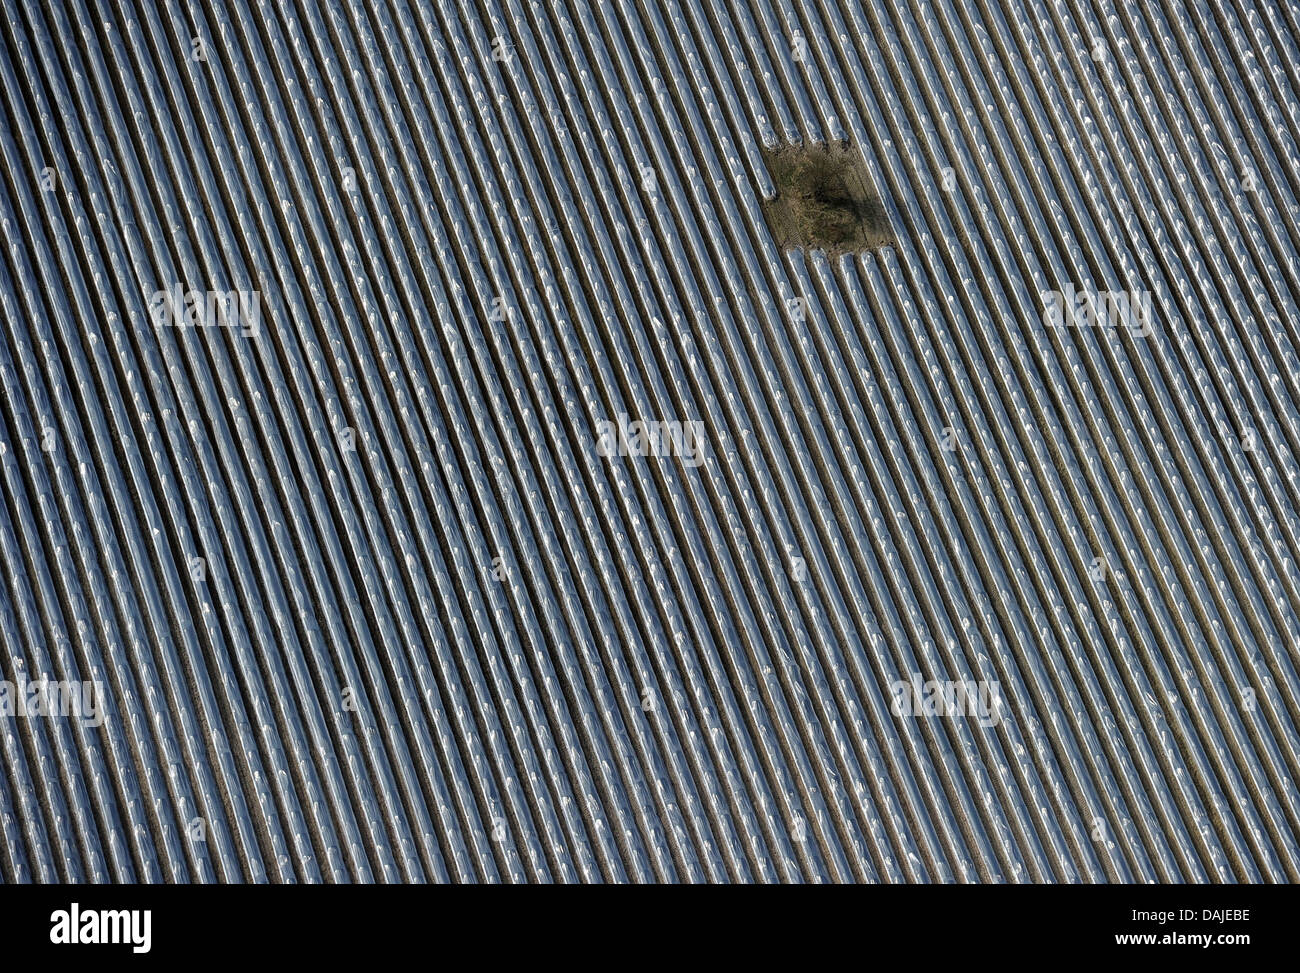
(824, 200)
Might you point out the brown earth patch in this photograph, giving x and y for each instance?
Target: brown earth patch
(824, 200)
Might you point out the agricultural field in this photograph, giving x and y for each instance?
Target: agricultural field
(612, 441)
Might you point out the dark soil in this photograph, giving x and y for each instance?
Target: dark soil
(824, 200)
